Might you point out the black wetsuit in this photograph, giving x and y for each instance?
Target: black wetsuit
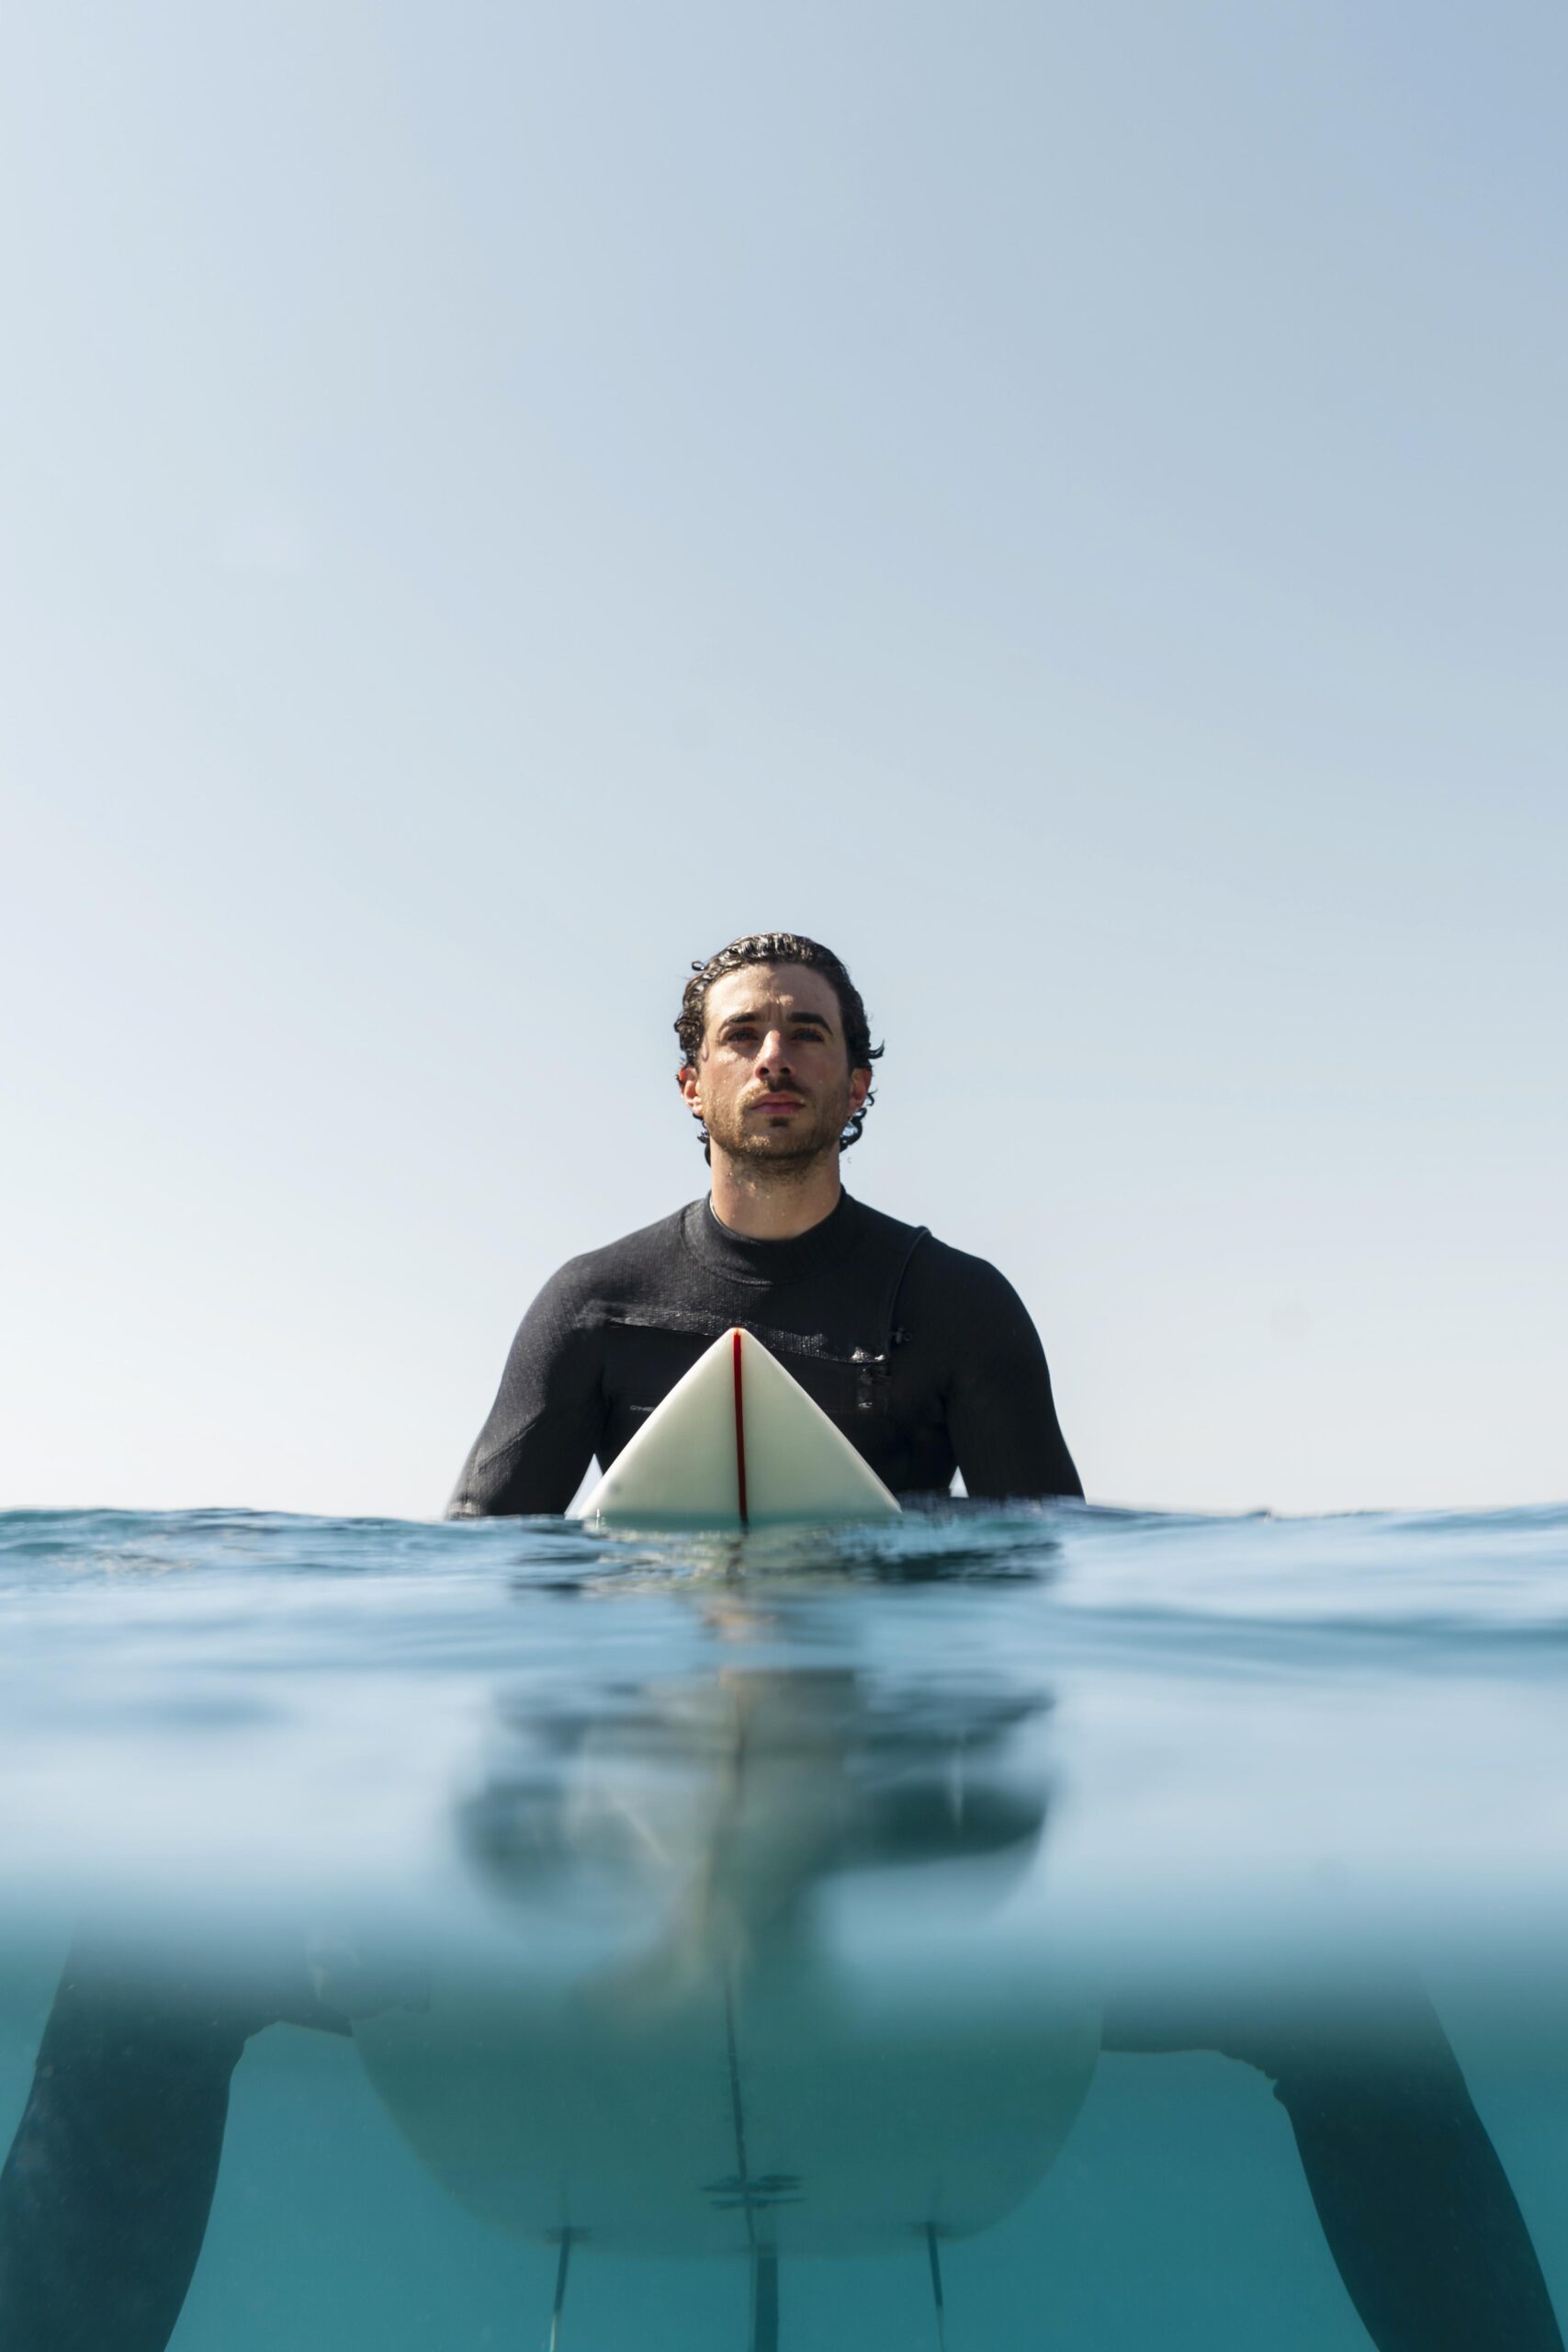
(925, 1358)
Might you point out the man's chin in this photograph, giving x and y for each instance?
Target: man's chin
(781, 1146)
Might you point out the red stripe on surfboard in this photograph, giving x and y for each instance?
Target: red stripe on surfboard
(740, 1436)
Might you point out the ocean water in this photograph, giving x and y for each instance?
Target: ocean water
(823, 1938)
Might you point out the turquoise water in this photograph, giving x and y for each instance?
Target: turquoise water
(703, 1899)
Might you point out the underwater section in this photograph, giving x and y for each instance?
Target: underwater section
(1038, 1926)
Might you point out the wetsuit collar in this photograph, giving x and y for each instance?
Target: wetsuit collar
(766, 1263)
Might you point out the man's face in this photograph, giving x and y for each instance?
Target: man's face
(772, 1081)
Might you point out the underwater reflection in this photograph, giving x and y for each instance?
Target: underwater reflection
(718, 1803)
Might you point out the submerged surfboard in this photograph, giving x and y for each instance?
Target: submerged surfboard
(737, 1442)
(806, 2108)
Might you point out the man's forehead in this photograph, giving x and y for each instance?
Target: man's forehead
(772, 988)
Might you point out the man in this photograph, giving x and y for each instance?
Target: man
(926, 1359)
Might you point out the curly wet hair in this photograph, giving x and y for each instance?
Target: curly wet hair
(779, 947)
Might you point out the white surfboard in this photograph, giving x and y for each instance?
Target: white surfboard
(737, 1442)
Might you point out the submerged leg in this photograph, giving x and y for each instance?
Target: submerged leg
(937, 2296)
(560, 2304)
(764, 2301)
(1415, 2203)
(105, 2194)
(1413, 2199)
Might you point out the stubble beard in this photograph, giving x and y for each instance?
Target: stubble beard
(784, 1156)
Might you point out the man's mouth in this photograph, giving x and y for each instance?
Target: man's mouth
(777, 1102)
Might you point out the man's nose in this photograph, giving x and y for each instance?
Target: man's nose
(772, 1054)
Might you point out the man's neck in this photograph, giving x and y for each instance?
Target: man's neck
(773, 1203)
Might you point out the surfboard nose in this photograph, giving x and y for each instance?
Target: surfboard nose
(737, 1444)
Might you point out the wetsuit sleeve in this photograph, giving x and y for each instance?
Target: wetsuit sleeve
(545, 1425)
(1001, 1414)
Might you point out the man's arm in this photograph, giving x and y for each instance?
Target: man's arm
(546, 1419)
(1001, 1414)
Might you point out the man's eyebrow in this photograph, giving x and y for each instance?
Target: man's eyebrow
(818, 1020)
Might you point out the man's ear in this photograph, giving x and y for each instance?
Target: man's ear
(686, 1080)
(859, 1087)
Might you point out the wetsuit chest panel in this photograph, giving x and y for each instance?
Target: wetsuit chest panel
(642, 1362)
(922, 1357)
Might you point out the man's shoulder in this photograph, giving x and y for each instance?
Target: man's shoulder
(937, 1266)
(876, 1224)
(633, 1260)
(934, 1271)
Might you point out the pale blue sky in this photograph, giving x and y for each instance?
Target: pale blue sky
(1068, 504)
